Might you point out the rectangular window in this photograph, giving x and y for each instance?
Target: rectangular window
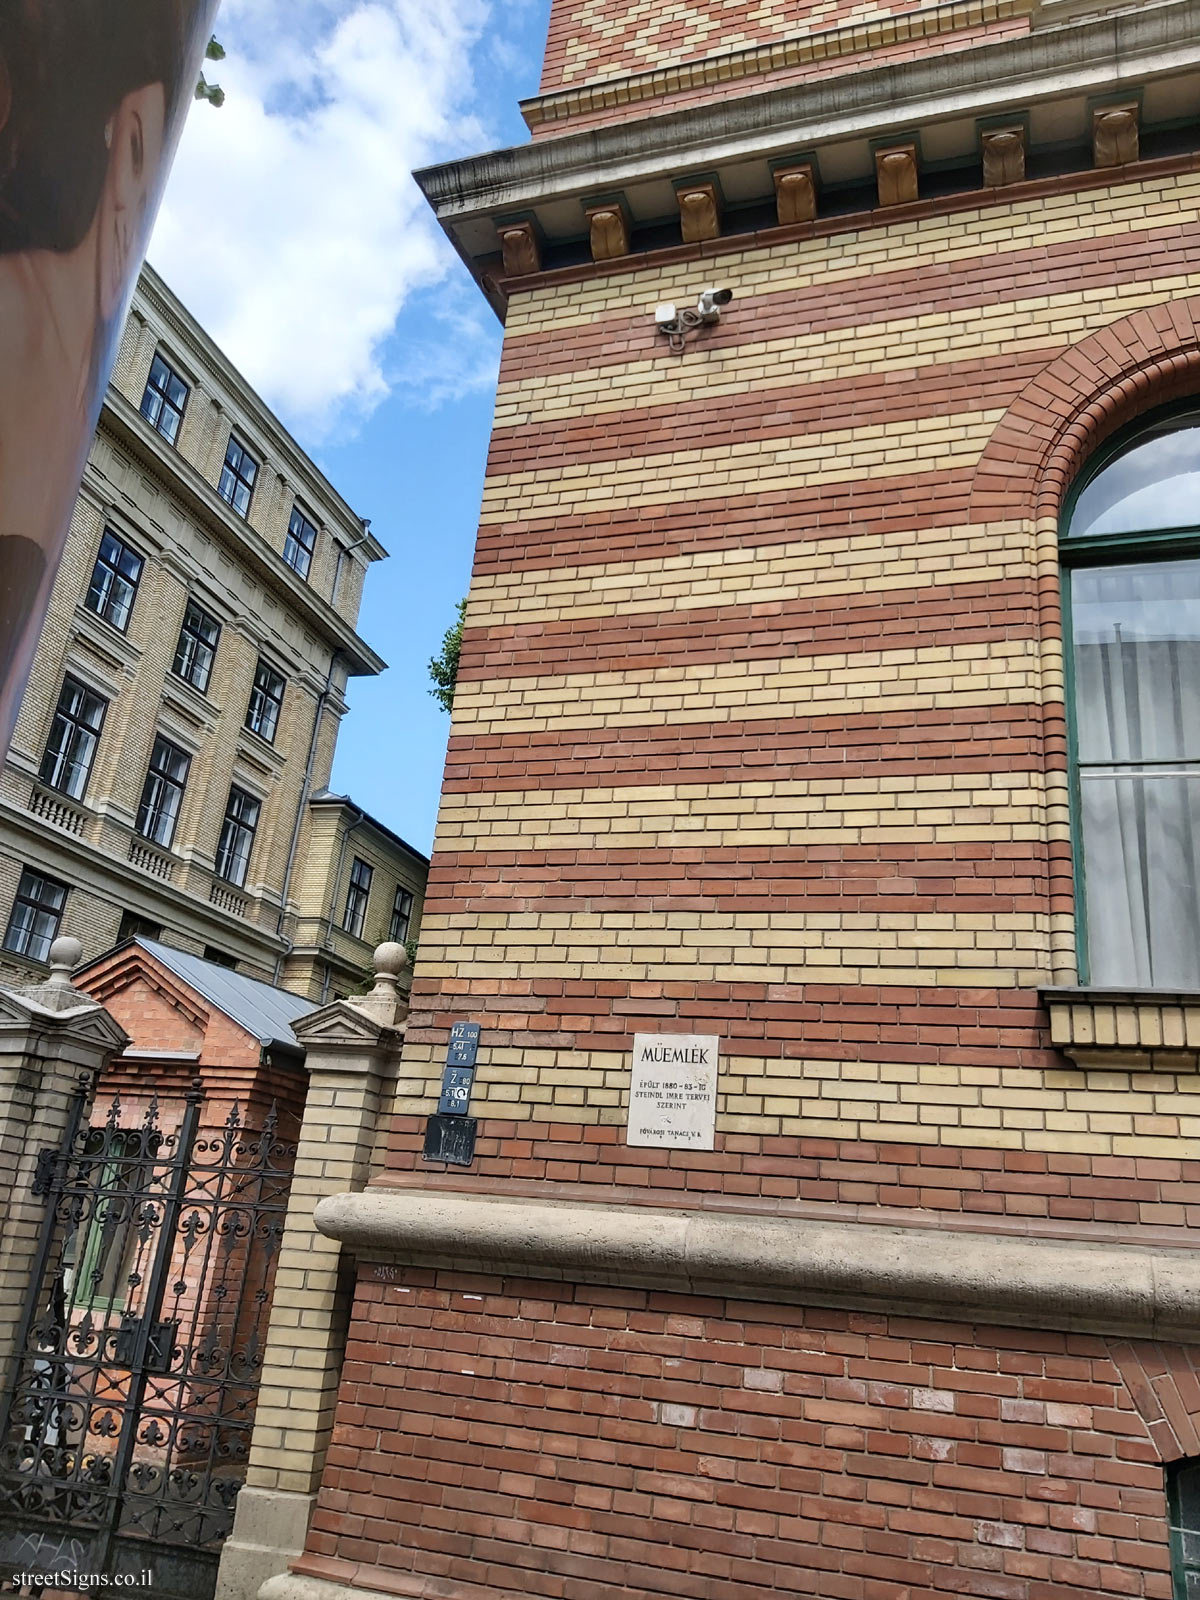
(134, 926)
(165, 397)
(74, 735)
(401, 916)
(1135, 631)
(300, 543)
(115, 579)
(196, 648)
(237, 837)
(357, 896)
(266, 701)
(36, 916)
(162, 794)
(237, 477)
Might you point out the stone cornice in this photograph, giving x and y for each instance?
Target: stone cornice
(1079, 58)
(125, 423)
(1135, 1291)
(216, 365)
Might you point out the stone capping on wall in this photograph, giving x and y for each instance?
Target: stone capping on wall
(1126, 1030)
(1130, 1291)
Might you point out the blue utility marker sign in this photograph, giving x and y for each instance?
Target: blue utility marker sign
(464, 1044)
(456, 1091)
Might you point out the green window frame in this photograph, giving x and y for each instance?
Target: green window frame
(103, 1252)
(1183, 1507)
(1079, 553)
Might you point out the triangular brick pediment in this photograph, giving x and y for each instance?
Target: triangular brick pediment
(156, 1007)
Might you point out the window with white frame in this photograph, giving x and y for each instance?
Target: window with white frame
(74, 736)
(36, 915)
(357, 895)
(237, 836)
(162, 793)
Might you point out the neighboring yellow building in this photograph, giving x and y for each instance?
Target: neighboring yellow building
(186, 696)
(358, 884)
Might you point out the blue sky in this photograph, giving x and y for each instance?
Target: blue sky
(292, 230)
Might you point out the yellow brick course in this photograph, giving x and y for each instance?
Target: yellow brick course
(1000, 950)
(1003, 1107)
(758, 466)
(747, 575)
(969, 807)
(968, 674)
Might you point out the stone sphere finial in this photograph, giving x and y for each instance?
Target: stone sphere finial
(390, 960)
(65, 955)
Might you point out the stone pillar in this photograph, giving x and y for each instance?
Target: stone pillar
(353, 1051)
(52, 1038)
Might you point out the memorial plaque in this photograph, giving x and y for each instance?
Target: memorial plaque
(464, 1044)
(673, 1092)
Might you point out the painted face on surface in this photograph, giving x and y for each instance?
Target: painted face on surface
(135, 137)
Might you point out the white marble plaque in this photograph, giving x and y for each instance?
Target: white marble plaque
(673, 1093)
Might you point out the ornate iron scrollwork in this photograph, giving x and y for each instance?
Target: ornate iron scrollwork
(126, 1428)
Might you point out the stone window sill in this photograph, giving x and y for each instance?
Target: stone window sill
(1126, 1030)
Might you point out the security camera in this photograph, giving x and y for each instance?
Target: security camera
(708, 307)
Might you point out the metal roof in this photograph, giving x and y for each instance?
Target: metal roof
(264, 1011)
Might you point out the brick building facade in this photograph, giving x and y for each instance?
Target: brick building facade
(769, 727)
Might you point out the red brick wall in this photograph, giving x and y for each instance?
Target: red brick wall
(506, 1438)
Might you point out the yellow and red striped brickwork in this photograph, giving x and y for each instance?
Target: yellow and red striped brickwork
(760, 732)
(759, 724)
(606, 58)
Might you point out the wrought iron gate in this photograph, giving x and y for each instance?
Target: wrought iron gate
(125, 1427)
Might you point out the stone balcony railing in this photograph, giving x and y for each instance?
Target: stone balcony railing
(56, 810)
(227, 899)
(150, 860)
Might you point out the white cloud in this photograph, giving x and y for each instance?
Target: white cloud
(291, 227)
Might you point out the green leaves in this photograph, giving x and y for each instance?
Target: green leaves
(443, 669)
(212, 92)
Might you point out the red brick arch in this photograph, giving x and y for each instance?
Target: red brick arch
(1164, 1385)
(1145, 360)
(1040, 445)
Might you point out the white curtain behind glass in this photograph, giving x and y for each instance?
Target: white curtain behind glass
(1136, 632)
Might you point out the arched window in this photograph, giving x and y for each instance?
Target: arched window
(1130, 546)
(1183, 1498)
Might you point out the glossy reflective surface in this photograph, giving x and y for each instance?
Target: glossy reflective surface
(1152, 486)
